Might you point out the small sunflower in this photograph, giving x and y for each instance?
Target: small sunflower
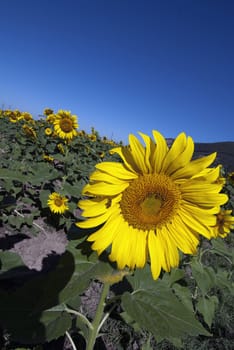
(224, 223)
(231, 177)
(51, 118)
(48, 131)
(48, 158)
(158, 200)
(57, 203)
(92, 137)
(48, 111)
(27, 116)
(65, 125)
(61, 148)
(29, 131)
(14, 116)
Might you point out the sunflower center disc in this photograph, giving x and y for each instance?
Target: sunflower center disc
(66, 125)
(150, 201)
(58, 202)
(151, 205)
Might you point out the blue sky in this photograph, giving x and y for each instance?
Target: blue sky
(122, 66)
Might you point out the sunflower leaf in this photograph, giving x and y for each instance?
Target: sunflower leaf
(161, 313)
(206, 306)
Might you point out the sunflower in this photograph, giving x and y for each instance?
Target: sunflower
(92, 137)
(48, 131)
(48, 111)
(224, 223)
(27, 117)
(65, 125)
(61, 148)
(51, 118)
(57, 203)
(29, 131)
(231, 177)
(154, 203)
(48, 158)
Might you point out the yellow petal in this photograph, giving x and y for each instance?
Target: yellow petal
(95, 221)
(155, 253)
(205, 199)
(138, 247)
(194, 224)
(116, 169)
(194, 167)
(104, 189)
(149, 151)
(185, 241)
(183, 158)
(100, 176)
(170, 249)
(126, 155)
(138, 153)
(160, 152)
(105, 236)
(176, 149)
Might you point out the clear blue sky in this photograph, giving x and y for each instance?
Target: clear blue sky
(122, 66)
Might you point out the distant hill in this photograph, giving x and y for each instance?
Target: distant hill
(225, 152)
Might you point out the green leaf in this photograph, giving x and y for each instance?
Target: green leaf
(206, 306)
(221, 248)
(173, 276)
(205, 276)
(184, 295)
(44, 195)
(8, 174)
(223, 279)
(56, 323)
(9, 261)
(142, 279)
(161, 313)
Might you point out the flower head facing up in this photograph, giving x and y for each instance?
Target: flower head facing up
(48, 131)
(158, 200)
(57, 203)
(65, 125)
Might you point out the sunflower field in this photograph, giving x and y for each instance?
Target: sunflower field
(111, 246)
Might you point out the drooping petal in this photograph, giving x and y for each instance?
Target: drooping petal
(170, 249)
(139, 252)
(121, 246)
(155, 254)
(194, 224)
(181, 239)
(104, 237)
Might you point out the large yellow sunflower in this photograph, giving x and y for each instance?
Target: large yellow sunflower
(155, 202)
(57, 203)
(65, 125)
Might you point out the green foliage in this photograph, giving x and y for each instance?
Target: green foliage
(189, 308)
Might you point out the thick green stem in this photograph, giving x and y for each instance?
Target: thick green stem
(93, 333)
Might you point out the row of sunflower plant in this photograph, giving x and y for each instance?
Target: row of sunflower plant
(99, 240)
